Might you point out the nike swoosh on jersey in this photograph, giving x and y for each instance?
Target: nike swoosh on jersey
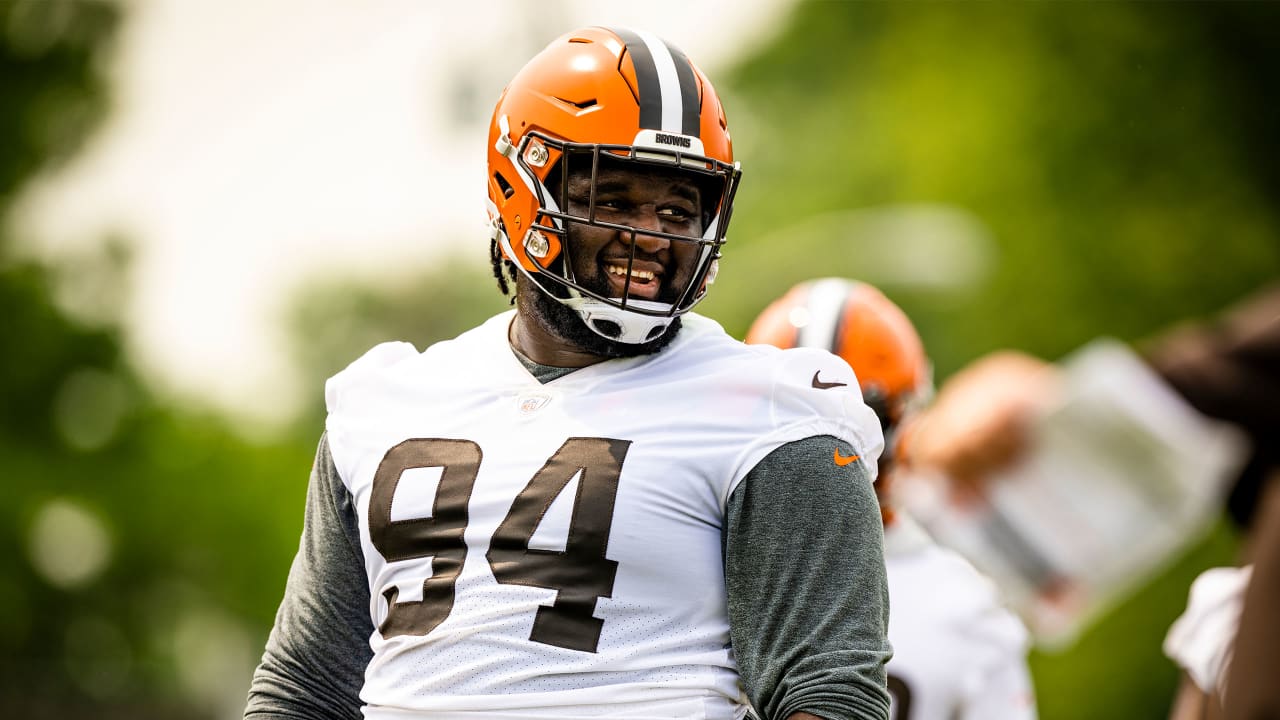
(826, 385)
(842, 460)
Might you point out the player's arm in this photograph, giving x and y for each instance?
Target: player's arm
(314, 663)
(1251, 690)
(808, 598)
(1191, 703)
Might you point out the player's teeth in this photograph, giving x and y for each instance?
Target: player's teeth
(637, 274)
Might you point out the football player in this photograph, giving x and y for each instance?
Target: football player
(957, 652)
(597, 504)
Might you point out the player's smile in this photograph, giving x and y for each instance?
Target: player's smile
(646, 278)
(617, 263)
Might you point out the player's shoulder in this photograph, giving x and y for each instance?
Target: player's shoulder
(796, 381)
(392, 362)
(972, 605)
(794, 368)
(804, 392)
(379, 360)
(806, 378)
(914, 552)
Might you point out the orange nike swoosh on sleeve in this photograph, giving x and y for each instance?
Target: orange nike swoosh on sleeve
(842, 460)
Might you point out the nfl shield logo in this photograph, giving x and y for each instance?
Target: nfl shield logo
(533, 402)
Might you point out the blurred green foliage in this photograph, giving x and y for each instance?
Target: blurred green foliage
(1113, 152)
(1019, 175)
(145, 542)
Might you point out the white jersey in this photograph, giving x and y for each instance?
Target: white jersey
(1201, 639)
(554, 550)
(958, 654)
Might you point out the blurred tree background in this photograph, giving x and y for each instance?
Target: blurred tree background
(146, 542)
(1023, 175)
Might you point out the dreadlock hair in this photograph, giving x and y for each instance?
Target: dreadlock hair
(503, 269)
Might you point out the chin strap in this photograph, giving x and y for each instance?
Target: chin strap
(634, 328)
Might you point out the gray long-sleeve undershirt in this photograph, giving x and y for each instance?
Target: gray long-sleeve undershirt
(808, 609)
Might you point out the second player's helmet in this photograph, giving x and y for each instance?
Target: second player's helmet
(596, 97)
(857, 322)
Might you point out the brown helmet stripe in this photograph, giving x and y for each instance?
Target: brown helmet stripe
(690, 112)
(663, 80)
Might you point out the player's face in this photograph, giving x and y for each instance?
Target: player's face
(649, 199)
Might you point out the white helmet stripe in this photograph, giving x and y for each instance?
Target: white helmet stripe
(825, 301)
(668, 82)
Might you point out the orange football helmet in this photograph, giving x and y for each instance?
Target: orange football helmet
(610, 96)
(857, 322)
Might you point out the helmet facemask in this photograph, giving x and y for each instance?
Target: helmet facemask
(654, 273)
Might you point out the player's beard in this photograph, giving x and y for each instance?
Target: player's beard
(563, 322)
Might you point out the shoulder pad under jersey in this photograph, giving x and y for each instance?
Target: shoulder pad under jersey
(378, 358)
